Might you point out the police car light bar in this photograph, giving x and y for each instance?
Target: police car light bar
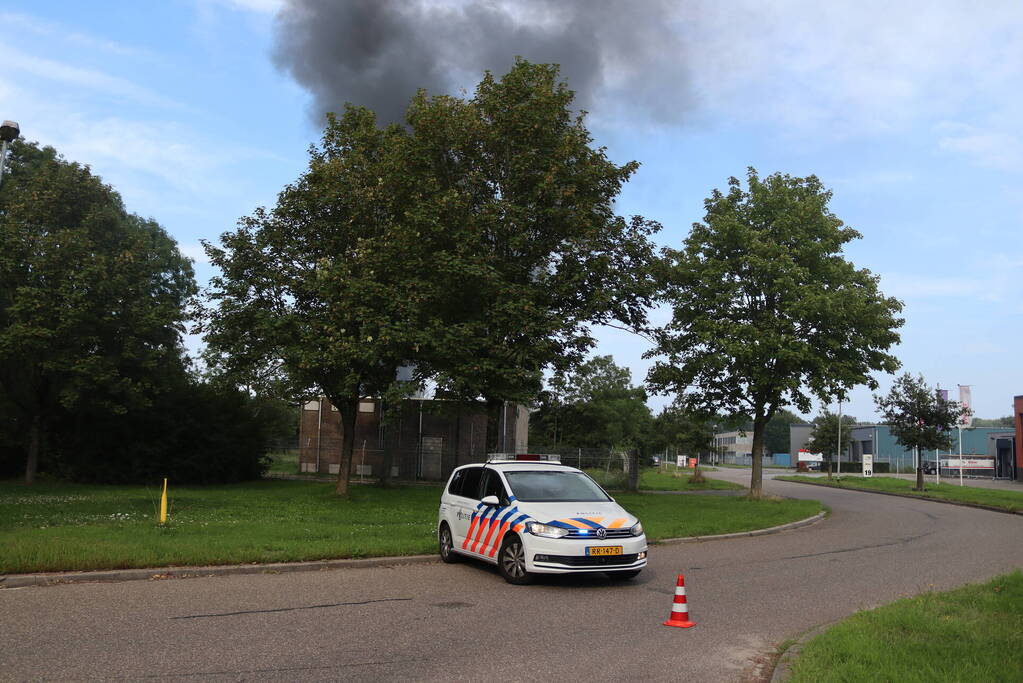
(523, 457)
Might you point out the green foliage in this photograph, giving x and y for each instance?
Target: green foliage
(91, 298)
(1005, 421)
(917, 415)
(825, 434)
(534, 252)
(776, 435)
(203, 435)
(766, 311)
(594, 406)
(686, 431)
(477, 243)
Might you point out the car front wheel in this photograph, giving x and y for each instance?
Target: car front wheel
(511, 561)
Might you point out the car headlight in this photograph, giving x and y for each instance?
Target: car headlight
(546, 530)
(637, 529)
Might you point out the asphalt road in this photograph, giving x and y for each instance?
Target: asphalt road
(435, 622)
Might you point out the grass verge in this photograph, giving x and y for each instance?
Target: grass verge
(656, 480)
(1006, 500)
(969, 634)
(63, 527)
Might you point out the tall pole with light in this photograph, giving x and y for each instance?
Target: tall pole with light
(9, 132)
(838, 455)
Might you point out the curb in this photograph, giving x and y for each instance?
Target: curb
(154, 573)
(159, 573)
(979, 506)
(742, 534)
(783, 665)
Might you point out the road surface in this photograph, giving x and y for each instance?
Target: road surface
(434, 622)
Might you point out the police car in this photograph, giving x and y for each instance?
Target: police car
(529, 514)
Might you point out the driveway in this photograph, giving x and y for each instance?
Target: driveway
(434, 622)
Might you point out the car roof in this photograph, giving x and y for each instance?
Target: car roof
(523, 466)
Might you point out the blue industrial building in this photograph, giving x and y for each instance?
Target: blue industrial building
(989, 442)
(877, 440)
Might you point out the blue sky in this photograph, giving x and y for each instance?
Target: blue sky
(909, 112)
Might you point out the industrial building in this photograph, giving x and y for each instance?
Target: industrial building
(999, 446)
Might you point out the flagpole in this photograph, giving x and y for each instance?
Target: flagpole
(960, 428)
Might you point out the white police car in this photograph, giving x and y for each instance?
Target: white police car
(530, 514)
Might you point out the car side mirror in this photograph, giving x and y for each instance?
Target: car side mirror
(491, 501)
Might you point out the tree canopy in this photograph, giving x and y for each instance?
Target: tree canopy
(534, 252)
(594, 406)
(91, 297)
(919, 416)
(476, 244)
(824, 438)
(766, 310)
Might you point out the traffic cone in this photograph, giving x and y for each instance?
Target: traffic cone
(680, 608)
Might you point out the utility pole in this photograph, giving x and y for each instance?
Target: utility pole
(838, 449)
(9, 132)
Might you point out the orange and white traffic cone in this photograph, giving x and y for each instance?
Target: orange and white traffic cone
(680, 608)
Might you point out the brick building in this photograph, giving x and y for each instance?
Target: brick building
(425, 439)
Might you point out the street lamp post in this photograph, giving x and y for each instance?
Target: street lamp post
(9, 132)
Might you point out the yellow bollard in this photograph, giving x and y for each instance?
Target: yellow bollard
(163, 503)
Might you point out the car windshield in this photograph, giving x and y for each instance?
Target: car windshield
(554, 487)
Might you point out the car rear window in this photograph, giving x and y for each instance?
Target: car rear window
(554, 487)
(470, 485)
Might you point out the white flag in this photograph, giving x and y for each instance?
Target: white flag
(965, 400)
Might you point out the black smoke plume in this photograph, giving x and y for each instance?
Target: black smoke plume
(377, 53)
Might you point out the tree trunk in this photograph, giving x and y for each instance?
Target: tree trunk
(829, 466)
(756, 480)
(32, 459)
(920, 471)
(633, 480)
(348, 408)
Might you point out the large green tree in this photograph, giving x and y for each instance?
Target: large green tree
(776, 435)
(598, 407)
(824, 438)
(919, 417)
(534, 253)
(324, 294)
(91, 297)
(767, 312)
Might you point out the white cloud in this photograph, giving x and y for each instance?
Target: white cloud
(194, 252)
(991, 148)
(16, 62)
(850, 69)
(24, 23)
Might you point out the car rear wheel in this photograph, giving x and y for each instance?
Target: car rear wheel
(511, 561)
(447, 552)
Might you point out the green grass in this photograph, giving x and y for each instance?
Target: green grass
(1007, 500)
(60, 527)
(284, 462)
(654, 480)
(973, 633)
(681, 516)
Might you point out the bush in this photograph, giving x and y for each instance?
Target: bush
(193, 433)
